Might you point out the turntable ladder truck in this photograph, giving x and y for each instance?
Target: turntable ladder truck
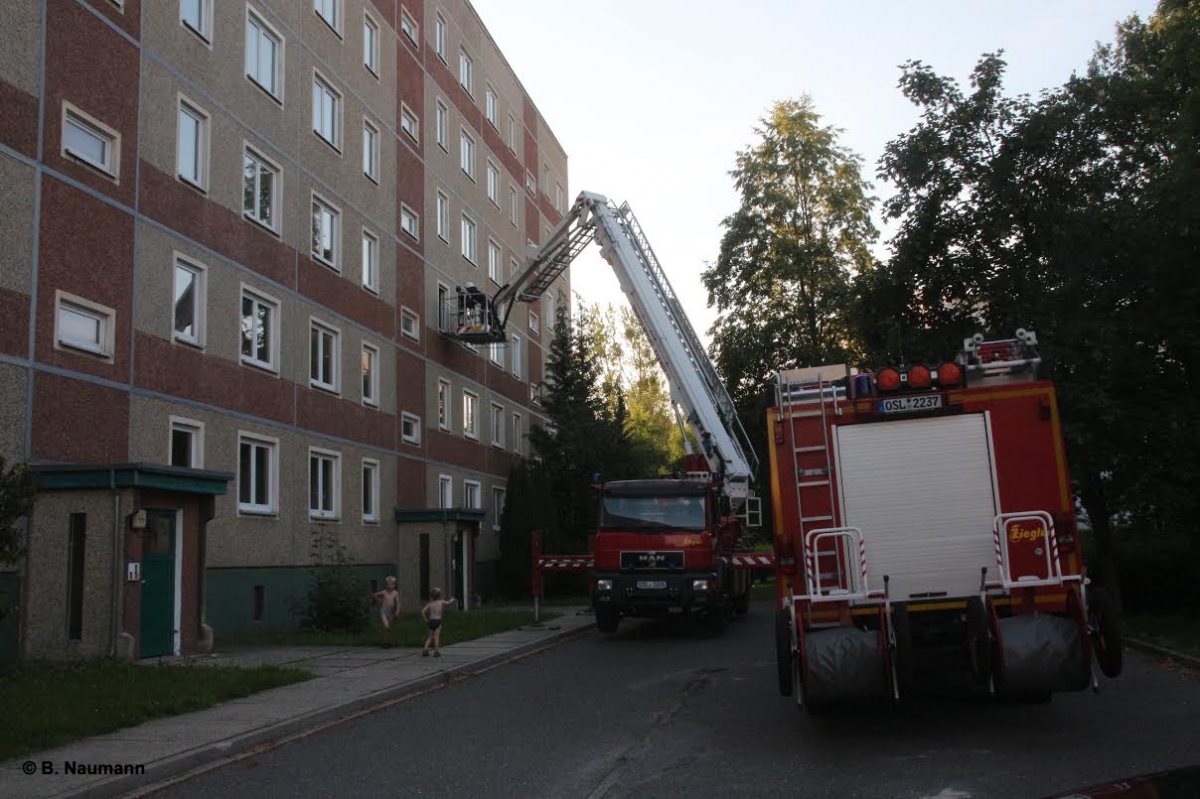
(665, 545)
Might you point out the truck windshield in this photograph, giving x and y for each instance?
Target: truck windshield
(652, 513)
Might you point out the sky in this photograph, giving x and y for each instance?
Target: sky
(653, 99)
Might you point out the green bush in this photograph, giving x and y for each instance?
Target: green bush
(335, 600)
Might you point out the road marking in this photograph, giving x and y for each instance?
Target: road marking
(949, 793)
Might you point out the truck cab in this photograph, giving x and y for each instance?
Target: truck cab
(661, 547)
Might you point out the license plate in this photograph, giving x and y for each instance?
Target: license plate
(921, 402)
(651, 584)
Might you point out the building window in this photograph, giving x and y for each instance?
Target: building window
(535, 323)
(370, 154)
(326, 232)
(409, 222)
(192, 146)
(443, 399)
(472, 496)
(264, 55)
(490, 105)
(187, 443)
(441, 124)
(196, 15)
(439, 36)
(410, 324)
(410, 428)
(260, 190)
(323, 356)
(517, 367)
(409, 123)
(466, 71)
(498, 499)
(495, 263)
(467, 154)
(408, 26)
(370, 490)
(512, 133)
(87, 140)
(370, 262)
(513, 213)
(497, 425)
(497, 353)
(493, 183)
(470, 422)
(445, 491)
(469, 250)
(559, 202)
(324, 483)
(327, 112)
(370, 374)
(76, 569)
(443, 308)
(188, 306)
(518, 433)
(258, 462)
(84, 325)
(371, 44)
(530, 182)
(512, 268)
(260, 328)
(443, 217)
(328, 11)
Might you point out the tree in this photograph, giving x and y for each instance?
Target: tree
(17, 489)
(527, 508)
(781, 282)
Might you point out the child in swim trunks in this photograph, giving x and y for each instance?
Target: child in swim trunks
(432, 612)
(389, 608)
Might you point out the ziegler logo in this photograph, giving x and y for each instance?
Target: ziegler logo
(1019, 532)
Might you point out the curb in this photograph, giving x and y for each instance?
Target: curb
(163, 770)
(1154, 649)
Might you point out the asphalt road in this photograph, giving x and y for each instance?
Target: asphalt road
(665, 710)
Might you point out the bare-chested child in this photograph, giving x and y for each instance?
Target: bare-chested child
(432, 612)
(389, 609)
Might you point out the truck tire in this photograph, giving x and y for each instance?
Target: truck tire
(979, 639)
(742, 604)
(717, 618)
(1105, 624)
(783, 651)
(607, 621)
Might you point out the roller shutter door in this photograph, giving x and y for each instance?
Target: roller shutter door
(921, 491)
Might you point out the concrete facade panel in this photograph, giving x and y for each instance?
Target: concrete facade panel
(16, 223)
(19, 65)
(79, 422)
(13, 407)
(76, 42)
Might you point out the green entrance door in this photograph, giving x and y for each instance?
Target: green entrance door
(158, 584)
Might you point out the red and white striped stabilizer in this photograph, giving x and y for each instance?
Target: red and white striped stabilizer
(752, 560)
(568, 563)
(862, 560)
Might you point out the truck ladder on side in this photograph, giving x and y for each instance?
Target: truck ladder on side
(806, 399)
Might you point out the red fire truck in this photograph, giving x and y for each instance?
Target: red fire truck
(924, 522)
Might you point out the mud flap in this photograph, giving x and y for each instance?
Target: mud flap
(843, 663)
(1041, 654)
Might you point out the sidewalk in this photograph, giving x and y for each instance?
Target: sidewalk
(347, 681)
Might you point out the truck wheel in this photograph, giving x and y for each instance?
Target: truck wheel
(979, 639)
(783, 651)
(607, 621)
(717, 618)
(1105, 624)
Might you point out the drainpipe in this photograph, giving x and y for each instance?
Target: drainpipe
(118, 599)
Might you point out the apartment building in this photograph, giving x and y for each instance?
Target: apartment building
(232, 233)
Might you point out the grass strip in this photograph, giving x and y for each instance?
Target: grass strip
(1173, 632)
(408, 630)
(51, 703)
